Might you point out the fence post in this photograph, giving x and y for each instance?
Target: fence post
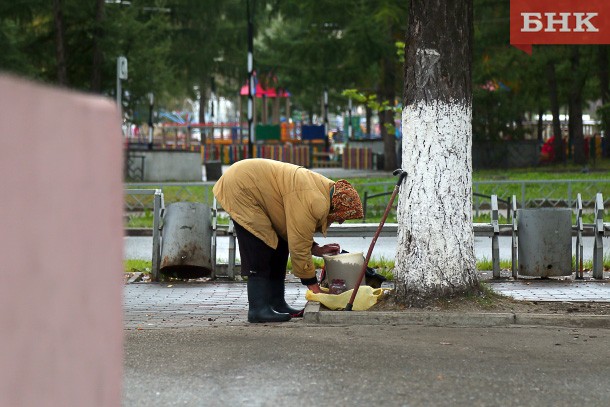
(232, 246)
(214, 237)
(514, 240)
(156, 249)
(579, 245)
(366, 198)
(476, 201)
(495, 245)
(598, 244)
(231, 260)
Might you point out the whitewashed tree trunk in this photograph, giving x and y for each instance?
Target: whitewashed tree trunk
(435, 255)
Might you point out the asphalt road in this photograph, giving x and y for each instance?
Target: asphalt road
(295, 364)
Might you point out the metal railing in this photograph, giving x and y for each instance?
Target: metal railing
(134, 166)
(173, 192)
(492, 229)
(529, 194)
(158, 207)
(549, 193)
(367, 197)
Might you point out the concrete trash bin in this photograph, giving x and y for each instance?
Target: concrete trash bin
(186, 241)
(545, 242)
(213, 170)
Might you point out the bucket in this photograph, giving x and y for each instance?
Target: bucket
(344, 266)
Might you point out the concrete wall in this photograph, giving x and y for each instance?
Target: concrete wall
(505, 154)
(163, 166)
(61, 248)
(500, 154)
(375, 145)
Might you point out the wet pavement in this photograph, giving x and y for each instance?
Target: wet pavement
(298, 364)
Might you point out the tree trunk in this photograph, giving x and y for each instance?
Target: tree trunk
(368, 113)
(558, 146)
(604, 85)
(576, 132)
(604, 79)
(60, 44)
(203, 102)
(540, 128)
(435, 255)
(386, 125)
(98, 56)
(519, 127)
(386, 117)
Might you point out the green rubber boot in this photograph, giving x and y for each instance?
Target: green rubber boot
(259, 296)
(278, 299)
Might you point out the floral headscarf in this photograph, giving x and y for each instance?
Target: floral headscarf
(345, 203)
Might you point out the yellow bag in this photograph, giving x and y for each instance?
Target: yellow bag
(365, 298)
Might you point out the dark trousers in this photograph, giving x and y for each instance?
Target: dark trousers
(259, 259)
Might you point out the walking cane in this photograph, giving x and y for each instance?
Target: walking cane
(401, 176)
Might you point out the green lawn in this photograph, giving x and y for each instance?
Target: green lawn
(383, 266)
(601, 170)
(376, 185)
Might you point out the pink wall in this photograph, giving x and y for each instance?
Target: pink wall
(61, 247)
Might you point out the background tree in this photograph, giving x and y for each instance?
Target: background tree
(60, 46)
(98, 55)
(77, 43)
(337, 44)
(558, 144)
(176, 47)
(435, 255)
(603, 76)
(209, 40)
(304, 45)
(575, 107)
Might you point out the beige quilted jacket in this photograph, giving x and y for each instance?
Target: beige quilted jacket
(271, 198)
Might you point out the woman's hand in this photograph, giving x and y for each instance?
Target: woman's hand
(331, 249)
(315, 288)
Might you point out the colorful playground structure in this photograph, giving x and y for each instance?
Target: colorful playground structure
(305, 145)
(277, 134)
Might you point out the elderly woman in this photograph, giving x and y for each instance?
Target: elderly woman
(277, 208)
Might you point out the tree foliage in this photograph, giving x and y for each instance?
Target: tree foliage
(510, 87)
(171, 45)
(337, 44)
(305, 46)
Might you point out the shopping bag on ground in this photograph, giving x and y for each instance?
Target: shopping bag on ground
(365, 298)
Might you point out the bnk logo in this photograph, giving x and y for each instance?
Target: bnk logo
(559, 22)
(562, 22)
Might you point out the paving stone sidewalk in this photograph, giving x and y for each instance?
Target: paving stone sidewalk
(560, 291)
(171, 305)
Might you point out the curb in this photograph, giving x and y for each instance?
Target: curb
(137, 232)
(313, 315)
(569, 321)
